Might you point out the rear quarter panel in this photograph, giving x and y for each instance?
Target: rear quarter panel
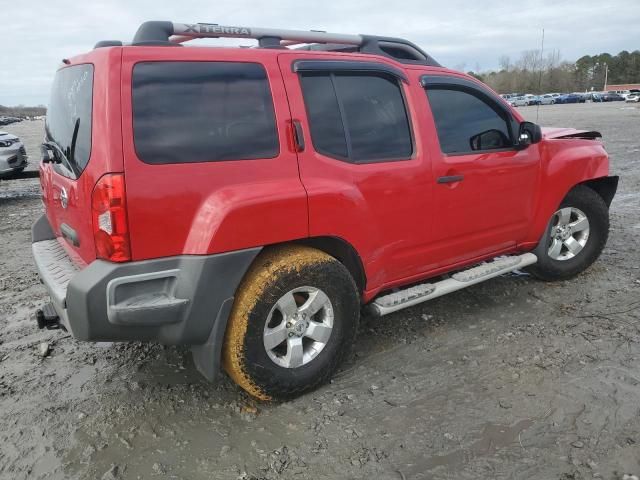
(211, 207)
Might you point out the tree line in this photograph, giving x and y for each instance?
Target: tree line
(532, 73)
(22, 111)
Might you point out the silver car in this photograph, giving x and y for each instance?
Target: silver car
(547, 99)
(13, 156)
(519, 101)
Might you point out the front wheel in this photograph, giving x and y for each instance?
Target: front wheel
(575, 236)
(293, 321)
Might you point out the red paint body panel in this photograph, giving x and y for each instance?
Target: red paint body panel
(383, 209)
(564, 164)
(490, 210)
(211, 207)
(401, 222)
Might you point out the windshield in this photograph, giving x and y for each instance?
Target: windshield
(68, 124)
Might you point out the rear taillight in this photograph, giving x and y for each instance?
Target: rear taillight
(109, 214)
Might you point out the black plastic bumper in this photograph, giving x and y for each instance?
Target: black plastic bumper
(175, 300)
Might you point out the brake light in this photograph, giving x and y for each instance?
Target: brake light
(109, 212)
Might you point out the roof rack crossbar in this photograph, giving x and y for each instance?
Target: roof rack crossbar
(212, 30)
(171, 33)
(155, 32)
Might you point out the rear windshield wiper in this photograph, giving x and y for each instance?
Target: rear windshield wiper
(74, 139)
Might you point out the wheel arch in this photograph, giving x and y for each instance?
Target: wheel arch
(606, 187)
(342, 251)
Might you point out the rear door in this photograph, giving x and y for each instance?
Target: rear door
(83, 124)
(367, 176)
(68, 134)
(485, 187)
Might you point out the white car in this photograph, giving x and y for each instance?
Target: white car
(532, 99)
(519, 101)
(633, 97)
(622, 93)
(547, 99)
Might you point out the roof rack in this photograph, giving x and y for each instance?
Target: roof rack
(170, 33)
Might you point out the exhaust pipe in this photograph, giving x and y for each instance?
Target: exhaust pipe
(47, 318)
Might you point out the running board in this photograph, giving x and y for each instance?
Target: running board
(426, 291)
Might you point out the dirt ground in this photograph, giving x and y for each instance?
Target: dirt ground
(512, 378)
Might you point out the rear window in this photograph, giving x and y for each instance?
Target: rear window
(187, 112)
(358, 118)
(68, 122)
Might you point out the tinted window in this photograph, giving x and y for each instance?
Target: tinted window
(202, 111)
(357, 117)
(68, 123)
(465, 123)
(325, 121)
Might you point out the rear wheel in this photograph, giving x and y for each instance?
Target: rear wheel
(575, 236)
(294, 320)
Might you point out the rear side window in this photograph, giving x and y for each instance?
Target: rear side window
(466, 123)
(68, 122)
(360, 118)
(202, 111)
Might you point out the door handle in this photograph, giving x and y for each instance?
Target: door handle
(298, 137)
(450, 179)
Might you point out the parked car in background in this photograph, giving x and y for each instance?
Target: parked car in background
(547, 99)
(13, 156)
(622, 93)
(9, 120)
(612, 97)
(594, 97)
(633, 98)
(532, 99)
(519, 101)
(570, 98)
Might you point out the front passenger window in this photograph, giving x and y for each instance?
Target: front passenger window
(466, 123)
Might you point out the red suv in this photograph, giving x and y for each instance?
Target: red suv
(249, 202)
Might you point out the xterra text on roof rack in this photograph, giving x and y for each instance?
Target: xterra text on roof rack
(249, 202)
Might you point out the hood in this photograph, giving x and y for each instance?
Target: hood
(553, 133)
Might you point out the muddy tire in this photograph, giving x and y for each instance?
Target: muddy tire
(293, 321)
(575, 236)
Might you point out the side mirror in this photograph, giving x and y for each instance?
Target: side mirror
(488, 140)
(528, 134)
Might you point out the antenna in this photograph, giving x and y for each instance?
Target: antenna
(540, 76)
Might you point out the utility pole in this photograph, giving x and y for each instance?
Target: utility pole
(606, 76)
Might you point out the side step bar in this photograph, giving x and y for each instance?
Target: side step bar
(426, 291)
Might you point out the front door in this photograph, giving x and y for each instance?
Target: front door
(484, 194)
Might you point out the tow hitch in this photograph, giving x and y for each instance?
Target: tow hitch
(47, 318)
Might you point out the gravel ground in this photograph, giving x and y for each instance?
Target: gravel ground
(512, 378)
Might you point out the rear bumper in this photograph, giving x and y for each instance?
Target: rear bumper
(175, 300)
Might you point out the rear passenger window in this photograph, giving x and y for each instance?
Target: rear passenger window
(202, 111)
(359, 118)
(466, 123)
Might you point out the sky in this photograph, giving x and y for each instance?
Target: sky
(465, 35)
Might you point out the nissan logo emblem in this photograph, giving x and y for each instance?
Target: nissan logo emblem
(64, 198)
